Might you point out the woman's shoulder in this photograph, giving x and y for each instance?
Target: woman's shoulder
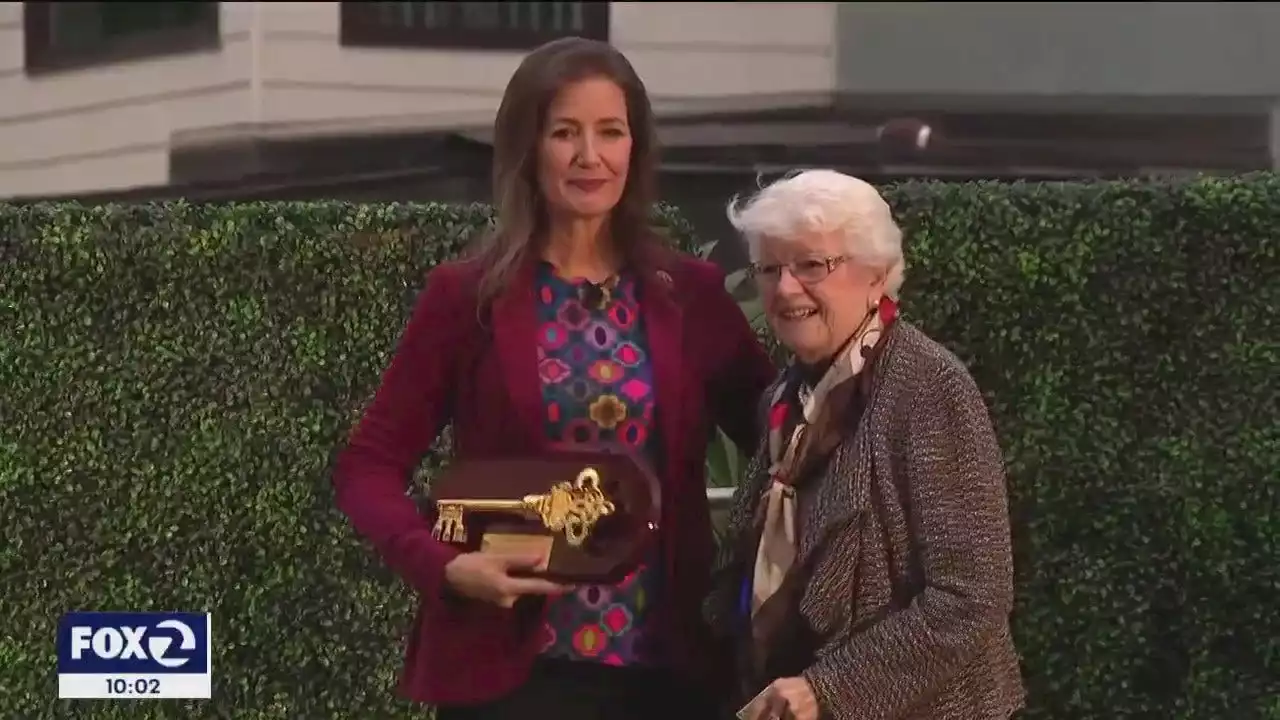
(922, 348)
(662, 257)
(456, 280)
(692, 279)
(456, 273)
(918, 359)
(934, 393)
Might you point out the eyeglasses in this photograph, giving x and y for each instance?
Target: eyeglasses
(809, 271)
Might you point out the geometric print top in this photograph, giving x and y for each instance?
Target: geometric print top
(597, 387)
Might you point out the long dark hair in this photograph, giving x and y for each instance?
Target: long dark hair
(521, 121)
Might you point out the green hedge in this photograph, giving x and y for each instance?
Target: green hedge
(176, 382)
(1128, 339)
(176, 379)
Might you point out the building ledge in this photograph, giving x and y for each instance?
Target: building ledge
(990, 137)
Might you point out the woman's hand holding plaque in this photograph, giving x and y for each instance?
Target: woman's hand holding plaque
(488, 577)
(567, 517)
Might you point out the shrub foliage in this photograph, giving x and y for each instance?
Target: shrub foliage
(177, 379)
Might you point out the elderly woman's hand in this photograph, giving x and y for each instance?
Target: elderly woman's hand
(785, 699)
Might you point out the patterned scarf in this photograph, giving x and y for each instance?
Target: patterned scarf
(778, 547)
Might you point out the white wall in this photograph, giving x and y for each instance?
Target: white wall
(680, 49)
(1192, 49)
(110, 127)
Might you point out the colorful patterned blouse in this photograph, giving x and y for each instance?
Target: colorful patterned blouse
(597, 386)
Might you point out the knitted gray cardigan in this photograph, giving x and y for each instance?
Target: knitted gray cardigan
(907, 533)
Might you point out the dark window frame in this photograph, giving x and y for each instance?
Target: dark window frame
(41, 56)
(359, 28)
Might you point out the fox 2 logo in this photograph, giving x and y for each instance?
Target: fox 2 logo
(133, 642)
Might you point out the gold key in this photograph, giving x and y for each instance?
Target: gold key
(572, 508)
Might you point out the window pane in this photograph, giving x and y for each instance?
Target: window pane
(74, 24)
(126, 18)
(84, 24)
(561, 18)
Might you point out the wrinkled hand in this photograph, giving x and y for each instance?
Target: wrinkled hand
(787, 699)
(486, 576)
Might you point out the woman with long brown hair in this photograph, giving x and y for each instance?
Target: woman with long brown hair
(574, 322)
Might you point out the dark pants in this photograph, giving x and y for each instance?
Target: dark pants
(567, 690)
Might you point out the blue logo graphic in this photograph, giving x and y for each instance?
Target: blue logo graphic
(154, 643)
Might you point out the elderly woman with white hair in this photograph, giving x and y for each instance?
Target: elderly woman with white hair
(867, 573)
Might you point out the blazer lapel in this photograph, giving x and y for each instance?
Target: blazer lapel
(664, 327)
(744, 513)
(515, 328)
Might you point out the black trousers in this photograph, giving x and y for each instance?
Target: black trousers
(568, 690)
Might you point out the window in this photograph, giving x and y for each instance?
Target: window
(471, 25)
(64, 35)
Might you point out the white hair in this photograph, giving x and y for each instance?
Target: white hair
(824, 202)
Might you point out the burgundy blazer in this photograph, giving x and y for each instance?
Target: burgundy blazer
(709, 370)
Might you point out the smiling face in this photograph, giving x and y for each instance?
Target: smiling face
(815, 297)
(584, 153)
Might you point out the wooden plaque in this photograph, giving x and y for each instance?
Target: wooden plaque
(594, 511)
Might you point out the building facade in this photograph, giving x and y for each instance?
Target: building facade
(101, 97)
(96, 114)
